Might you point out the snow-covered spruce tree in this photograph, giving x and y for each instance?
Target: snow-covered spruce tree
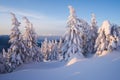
(118, 38)
(54, 56)
(3, 62)
(92, 35)
(30, 40)
(50, 50)
(73, 37)
(115, 31)
(44, 48)
(47, 49)
(4, 53)
(59, 46)
(6, 56)
(86, 35)
(17, 47)
(107, 38)
(5, 66)
(6, 59)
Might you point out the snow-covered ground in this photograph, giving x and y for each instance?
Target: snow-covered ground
(106, 67)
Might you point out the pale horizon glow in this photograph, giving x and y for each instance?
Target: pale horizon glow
(40, 22)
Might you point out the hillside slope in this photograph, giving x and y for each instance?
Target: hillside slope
(96, 68)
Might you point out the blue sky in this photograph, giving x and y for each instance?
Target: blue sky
(49, 16)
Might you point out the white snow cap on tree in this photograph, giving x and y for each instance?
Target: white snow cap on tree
(72, 11)
(106, 26)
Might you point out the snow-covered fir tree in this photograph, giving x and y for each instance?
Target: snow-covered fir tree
(30, 40)
(118, 37)
(17, 47)
(115, 31)
(2, 64)
(54, 51)
(85, 30)
(107, 38)
(73, 41)
(4, 58)
(44, 48)
(4, 53)
(50, 50)
(60, 44)
(92, 34)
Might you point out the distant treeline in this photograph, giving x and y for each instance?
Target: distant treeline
(4, 41)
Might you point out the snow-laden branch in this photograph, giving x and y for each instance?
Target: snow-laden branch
(26, 22)
(14, 20)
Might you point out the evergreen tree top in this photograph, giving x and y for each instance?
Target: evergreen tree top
(72, 11)
(14, 20)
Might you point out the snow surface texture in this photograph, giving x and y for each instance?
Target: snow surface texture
(95, 68)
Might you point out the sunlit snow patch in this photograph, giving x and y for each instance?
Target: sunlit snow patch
(72, 61)
(75, 58)
(104, 53)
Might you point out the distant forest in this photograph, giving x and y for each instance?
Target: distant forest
(4, 41)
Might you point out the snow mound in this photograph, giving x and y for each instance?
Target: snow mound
(72, 61)
(104, 53)
(75, 58)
